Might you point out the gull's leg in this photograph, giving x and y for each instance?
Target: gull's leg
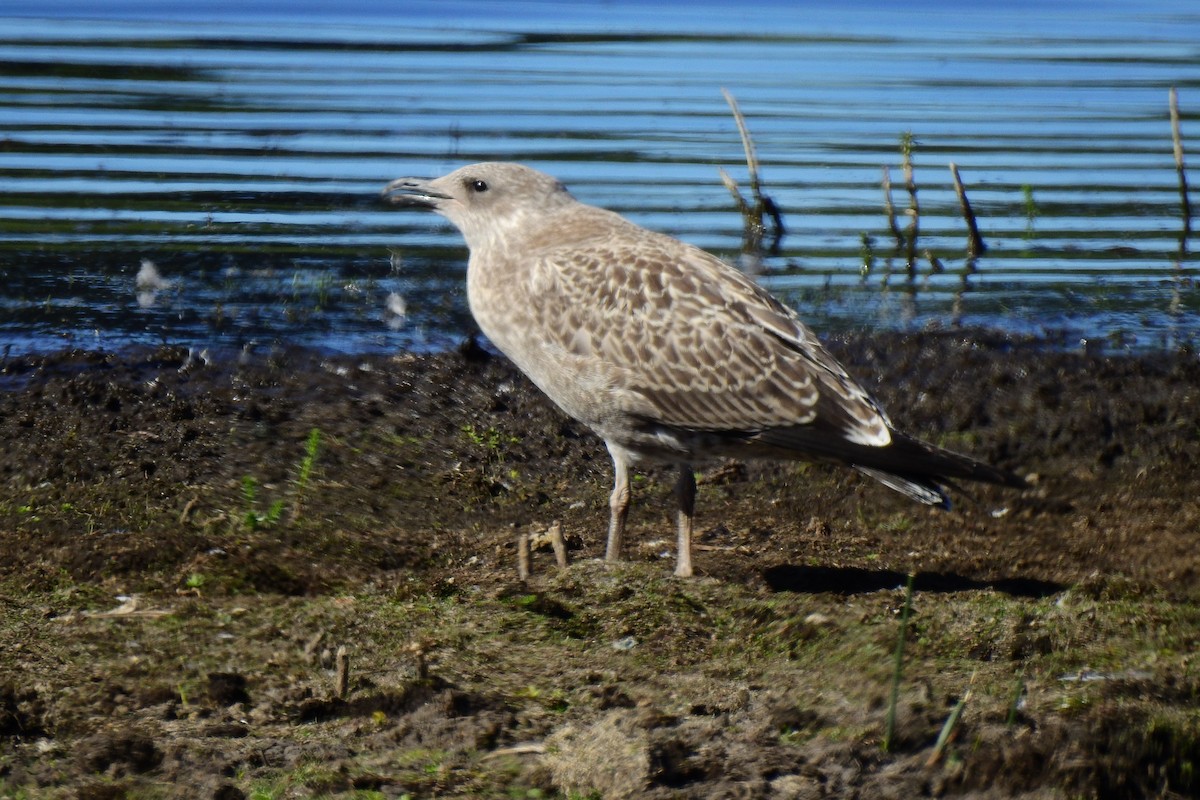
(618, 505)
(685, 494)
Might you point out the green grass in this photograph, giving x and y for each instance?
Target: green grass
(698, 642)
(490, 440)
(254, 518)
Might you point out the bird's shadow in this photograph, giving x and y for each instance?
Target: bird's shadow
(856, 580)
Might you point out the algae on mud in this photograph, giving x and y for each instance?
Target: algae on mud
(123, 475)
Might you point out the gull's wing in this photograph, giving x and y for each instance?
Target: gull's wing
(700, 345)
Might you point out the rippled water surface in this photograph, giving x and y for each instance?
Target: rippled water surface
(240, 148)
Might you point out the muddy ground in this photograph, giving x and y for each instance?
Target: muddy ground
(181, 560)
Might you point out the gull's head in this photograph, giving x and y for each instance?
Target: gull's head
(488, 202)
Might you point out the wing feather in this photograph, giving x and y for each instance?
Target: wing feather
(700, 345)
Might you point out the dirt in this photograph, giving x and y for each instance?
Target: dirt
(184, 564)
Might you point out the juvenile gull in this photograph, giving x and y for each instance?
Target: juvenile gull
(665, 351)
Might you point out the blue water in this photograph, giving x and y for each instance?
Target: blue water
(240, 147)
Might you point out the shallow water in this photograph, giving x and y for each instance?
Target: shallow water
(240, 148)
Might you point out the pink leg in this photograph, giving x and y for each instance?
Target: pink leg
(618, 505)
(685, 495)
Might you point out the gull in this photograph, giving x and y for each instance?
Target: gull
(665, 351)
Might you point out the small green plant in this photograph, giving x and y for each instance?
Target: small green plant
(255, 519)
(252, 518)
(312, 447)
(490, 440)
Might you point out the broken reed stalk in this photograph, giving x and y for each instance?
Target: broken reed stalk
(914, 208)
(935, 264)
(752, 227)
(975, 244)
(187, 509)
(747, 144)
(559, 544)
(522, 557)
(1177, 141)
(949, 727)
(1185, 207)
(752, 220)
(752, 213)
(891, 209)
(341, 680)
(956, 309)
(777, 220)
(898, 668)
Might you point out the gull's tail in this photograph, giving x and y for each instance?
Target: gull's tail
(910, 466)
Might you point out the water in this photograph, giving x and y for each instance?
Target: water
(240, 148)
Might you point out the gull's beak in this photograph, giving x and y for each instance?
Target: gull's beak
(414, 192)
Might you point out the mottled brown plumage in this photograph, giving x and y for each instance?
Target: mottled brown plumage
(663, 350)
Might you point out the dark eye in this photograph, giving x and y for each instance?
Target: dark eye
(478, 186)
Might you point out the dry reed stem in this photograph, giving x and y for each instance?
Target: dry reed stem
(341, 681)
(522, 557)
(730, 184)
(1177, 142)
(752, 212)
(890, 209)
(914, 207)
(950, 728)
(559, 544)
(187, 509)
(747, 145)
(935, 264)
(975, 244)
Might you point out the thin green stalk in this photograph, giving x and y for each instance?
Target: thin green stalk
(311, 447)
(898, 668)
